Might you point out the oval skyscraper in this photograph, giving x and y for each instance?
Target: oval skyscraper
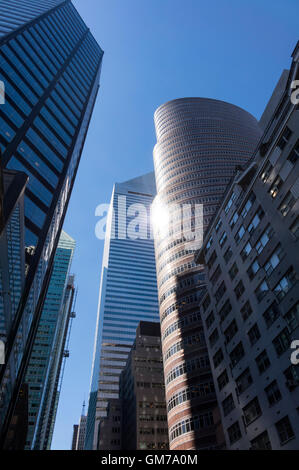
(200, 142)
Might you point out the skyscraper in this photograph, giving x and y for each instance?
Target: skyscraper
(199, 144)
(251, 309)
(128, 293)
(81, 430)
(75, 436)
(44, 434)
(51, 331)
(50, 65)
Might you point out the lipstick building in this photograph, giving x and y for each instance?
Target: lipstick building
(200, 142)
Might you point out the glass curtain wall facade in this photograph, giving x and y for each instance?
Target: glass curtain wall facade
(128, 294)
(47, 418)
(50, 65)
(12, 255)
(200, 142)
(50, 328)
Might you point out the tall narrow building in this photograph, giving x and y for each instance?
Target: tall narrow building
(199, 144)
(128, 293)
(61, 352)
(50, 66)
(45, 349)
(81, 430)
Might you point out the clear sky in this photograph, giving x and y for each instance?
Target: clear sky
(155, 51)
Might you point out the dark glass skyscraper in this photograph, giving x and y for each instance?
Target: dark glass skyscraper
(50, 65)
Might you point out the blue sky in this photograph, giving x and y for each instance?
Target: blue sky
(155, 51)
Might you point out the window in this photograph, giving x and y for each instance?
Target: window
(210, 320)
(263, 240)
(222, 239)
(212, 259)
(220, 292)
(234, 432)
(262, 362)
(292, 377)
(292, 317)
(227, 255)
(222, 380)
(284, 430)
(273, 393)
(254, 334)
(237, 354)
(244, 381)
(294, 155)
(261, 291)
(266, 172)
(252, 411)
(246, 310)
(214, 278)
(275, 187)
(234, 220)
(286, 135)
(239, 289)
(282, 342)
(246, 251)
(230, 331)
(218, 225)
(230, 203)
(271, 314)
(248, 205)
(256, 220)
(228, 405)
(295, 228)
(190, 424)
(274, 260)
(287, 204)
(253, 269)
(206, 303)
(286, 283)
(115, 442)
(233, 271)
(209, 244)
(218, 358)
(213, 338)
(240, 234)
(261, 442)
(225, 310)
